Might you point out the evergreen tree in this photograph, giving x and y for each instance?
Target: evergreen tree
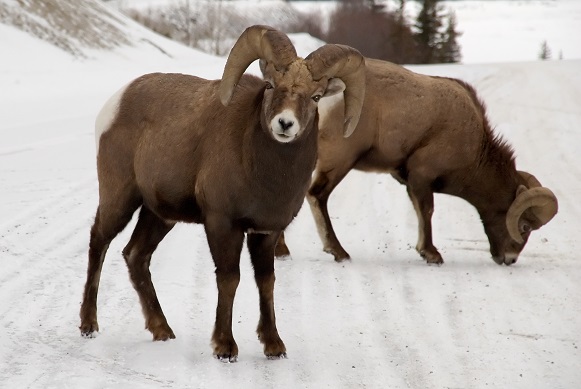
(402, 38)
(545, 52)
(449, 48)
(428, 25)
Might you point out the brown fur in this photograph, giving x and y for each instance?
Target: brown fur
(432, 135)
(177, 152)
(234, 154)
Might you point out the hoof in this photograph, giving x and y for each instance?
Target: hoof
(89, 335)
(89, 331)
(226, 351)
(274, 347)
(435, 261)
(161, 332)
(283, 258)
(340, 255)
(163, 336)
(227, 358)
(275, 357)
(432, 257)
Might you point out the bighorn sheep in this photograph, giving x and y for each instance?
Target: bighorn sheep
(235, 155)
(432, 135)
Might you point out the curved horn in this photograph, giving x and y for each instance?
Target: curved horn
(348, 64)
(531, 180)
(542, 202)
(256, 42)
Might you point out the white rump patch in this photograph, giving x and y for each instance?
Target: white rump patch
(107, 115)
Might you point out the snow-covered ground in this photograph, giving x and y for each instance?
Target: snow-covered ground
(513, 30)
(385, 319)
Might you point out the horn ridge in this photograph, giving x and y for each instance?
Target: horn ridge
(348, 64)
(530, 180)
(256, 42)
(542, 202)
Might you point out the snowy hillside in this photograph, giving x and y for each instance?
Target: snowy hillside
(78, 30)
(383, 320)
(58, 23)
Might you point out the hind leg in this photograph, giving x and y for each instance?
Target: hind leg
(149, 231)
(111, 218)
(281, 250)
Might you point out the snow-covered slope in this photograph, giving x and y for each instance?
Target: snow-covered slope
(385, 319)
(78, 30)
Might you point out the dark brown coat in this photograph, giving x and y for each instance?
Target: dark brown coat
(234, 154)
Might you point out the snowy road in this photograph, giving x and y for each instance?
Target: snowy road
(385, 319)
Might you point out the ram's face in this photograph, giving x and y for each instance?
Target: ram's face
(503, 248)
(290, 100)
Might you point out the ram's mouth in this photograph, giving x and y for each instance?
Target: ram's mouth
(282, 137)
(507, 259)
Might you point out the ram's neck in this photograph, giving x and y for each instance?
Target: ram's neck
(492, 184)
(273, 177)
(282, 168)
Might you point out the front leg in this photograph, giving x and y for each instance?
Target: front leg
(261, 248)
(423, 201)
(225, 243)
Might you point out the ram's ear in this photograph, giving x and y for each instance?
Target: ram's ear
(335, 86)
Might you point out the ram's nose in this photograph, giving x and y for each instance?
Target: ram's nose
(284, 126)
(506, 259)
(510, 258)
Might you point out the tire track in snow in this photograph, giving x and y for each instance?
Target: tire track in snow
(396, 287)
(30, 238)
(393, 301)
(48, 269)
(40, 263)
(368, 287)
(33, 221)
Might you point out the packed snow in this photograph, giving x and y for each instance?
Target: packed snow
(384, 319)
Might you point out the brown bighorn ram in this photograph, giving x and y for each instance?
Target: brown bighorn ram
(432, 135)
(234, 154)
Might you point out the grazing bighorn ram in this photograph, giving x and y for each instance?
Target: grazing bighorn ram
(234, 154)
(432, 135)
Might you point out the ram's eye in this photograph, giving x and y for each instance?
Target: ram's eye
(526, 228)
(268, 85)
(316, 98)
